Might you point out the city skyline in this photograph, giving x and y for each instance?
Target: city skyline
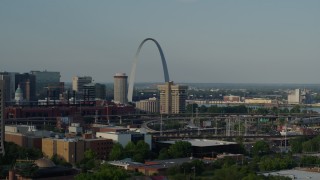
(203, 41)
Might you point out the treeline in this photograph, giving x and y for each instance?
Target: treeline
(221, 169)
(304, 144)
(241, 109)
(193, 108)
(14, 152)
(136, 151)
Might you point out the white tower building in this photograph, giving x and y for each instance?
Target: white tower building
(120, 88)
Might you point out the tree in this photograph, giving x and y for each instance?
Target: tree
(130, 149)
(309, 146)
(285, 110)
(215, 109)
(312, 145)
(240, 109)
(104, 172)
(142, 151)
(296, 144)
(142, 147)
(232, 172)
(180, 149)
(260, 148)
(117, 152)
(191, 108)
(89, 161)
(274, 110)
(262, 111)
(13, 152)
(295, 109)
(60, 161)
(90, 154)
(203, 109)
(163, 154)
(309, 161)
(253, 176)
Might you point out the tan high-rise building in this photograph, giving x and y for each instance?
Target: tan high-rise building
(78, 82)
(2, 94)
(150, 105)
(78, 86)
(172, 98)
(120, 88)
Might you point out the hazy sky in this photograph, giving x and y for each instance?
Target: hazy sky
(214, 41)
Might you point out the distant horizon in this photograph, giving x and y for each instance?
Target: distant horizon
(214, 83)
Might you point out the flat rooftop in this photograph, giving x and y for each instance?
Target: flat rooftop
(201, 142)
(295, 174)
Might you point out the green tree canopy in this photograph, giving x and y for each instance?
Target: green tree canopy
(296, 144)
(295, 109)
(117, 152)
(163, 154)
(191, 108)
(105, 172)
(90, 154)
(142, 151)
(180, 149)
(260, 148)
(130, 149)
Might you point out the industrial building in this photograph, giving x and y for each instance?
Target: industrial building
(150, 168)
(124, 137)
(259, 101)
(204, 147)
(26, 135)
(231, 98)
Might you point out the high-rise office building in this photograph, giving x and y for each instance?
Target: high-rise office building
(120, 88)
(2, 94)
(45, 79)
(294, 97)
(9, 90)
(78, 82)
(27, 83)
(298, 96)
(94, 91)
(6, 79)
(172, 98)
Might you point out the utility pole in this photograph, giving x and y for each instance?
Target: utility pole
(239, 126)
(197, 110)
(160, 124)
(245, 127)
(216, 132)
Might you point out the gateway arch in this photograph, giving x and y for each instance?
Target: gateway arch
(134, 66)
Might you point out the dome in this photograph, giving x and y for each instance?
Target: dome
(19, 90)
(44, 163)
